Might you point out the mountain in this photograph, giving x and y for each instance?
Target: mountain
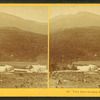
(8, 20)
(78, 43)
(20, 45)
(80, 19)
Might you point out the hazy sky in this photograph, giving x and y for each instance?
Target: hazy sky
(37, 13)
(65, 10)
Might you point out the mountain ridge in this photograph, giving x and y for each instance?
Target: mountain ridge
(9, 20)
(80, 19)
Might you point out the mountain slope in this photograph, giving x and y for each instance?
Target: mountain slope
(8, 20)
(19, 45)
(80, 19)
(75, 44)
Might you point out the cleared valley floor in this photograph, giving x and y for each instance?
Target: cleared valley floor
(22, 80)
(75, 80)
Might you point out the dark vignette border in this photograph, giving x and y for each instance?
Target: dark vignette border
(49, 1)
(49, 98)
(54, 2)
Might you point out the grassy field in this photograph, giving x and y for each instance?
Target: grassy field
(22, 80)
(74, 80)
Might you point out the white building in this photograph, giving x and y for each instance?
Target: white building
(38, 68)
(5, 68)
(87, 68)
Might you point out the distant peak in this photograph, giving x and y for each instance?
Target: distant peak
(4, 13)
(11, 28)
(84, 13)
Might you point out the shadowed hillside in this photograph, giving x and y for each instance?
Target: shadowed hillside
(19, 45)
(75, 44)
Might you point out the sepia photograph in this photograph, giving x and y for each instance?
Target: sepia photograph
(23, 46)
(74, 47)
